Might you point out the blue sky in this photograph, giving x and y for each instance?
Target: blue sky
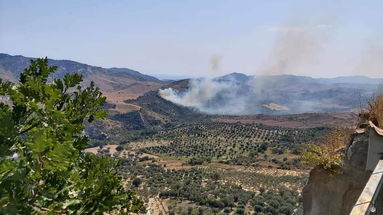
(201, 37)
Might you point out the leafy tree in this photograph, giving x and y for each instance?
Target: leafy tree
(119, 148)
(136, 182)
(43, 168)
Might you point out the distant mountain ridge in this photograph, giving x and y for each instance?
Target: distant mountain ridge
(357, 79)
(107, 79)
(12, 65)
(354, 79)
(235, 76)
(246, 94)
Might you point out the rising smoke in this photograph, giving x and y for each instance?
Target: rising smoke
(215, 63)
(211, 96)
(284, 95)
(296, 50)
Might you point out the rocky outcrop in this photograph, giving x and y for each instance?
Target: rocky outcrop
(336, 193)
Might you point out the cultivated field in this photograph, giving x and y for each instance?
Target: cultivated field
(216, 167)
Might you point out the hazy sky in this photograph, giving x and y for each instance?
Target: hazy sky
(201, 37)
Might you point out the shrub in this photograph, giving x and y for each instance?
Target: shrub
(240, 211)
(198, 160)
(327, 153)
(136, 182)
(119, 148)
(375, 110)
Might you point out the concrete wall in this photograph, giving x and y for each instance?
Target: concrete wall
(375, 149)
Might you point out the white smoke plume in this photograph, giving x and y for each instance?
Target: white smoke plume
(215, 63)
(209, 96)
(238, 94)
(296, 50)
(241, 95)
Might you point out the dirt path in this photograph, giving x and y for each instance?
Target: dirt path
(156, 207)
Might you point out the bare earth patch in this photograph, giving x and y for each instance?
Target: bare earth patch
(133, 91)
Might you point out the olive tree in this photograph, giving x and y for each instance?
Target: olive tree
(43, 169)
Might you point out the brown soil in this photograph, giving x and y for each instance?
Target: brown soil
(156, 206)
(307, 120)
(133, 91)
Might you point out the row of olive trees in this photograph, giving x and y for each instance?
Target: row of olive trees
(205, 188)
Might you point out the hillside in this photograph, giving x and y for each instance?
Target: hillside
(150, 110)
(232, 94)
(106, 79)
(135, 104)
(117, 84)
(153, 111)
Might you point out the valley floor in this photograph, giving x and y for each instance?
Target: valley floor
(213, 167)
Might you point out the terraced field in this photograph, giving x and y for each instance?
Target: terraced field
(240, 144)
(216, 167)
(213, 190)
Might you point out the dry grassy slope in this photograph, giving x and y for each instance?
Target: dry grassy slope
(117, 84)
(133, 91)
(6, 75)
(180, 85)
(107, 79)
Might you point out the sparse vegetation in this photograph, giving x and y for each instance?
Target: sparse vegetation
(328, 151)
(375, 110)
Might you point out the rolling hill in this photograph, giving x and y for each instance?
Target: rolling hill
(135, 103)
(111, 79)
(117, 84)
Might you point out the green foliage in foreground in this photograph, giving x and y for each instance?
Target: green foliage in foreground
(42, 166)
(328, 152)
(319, 155)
